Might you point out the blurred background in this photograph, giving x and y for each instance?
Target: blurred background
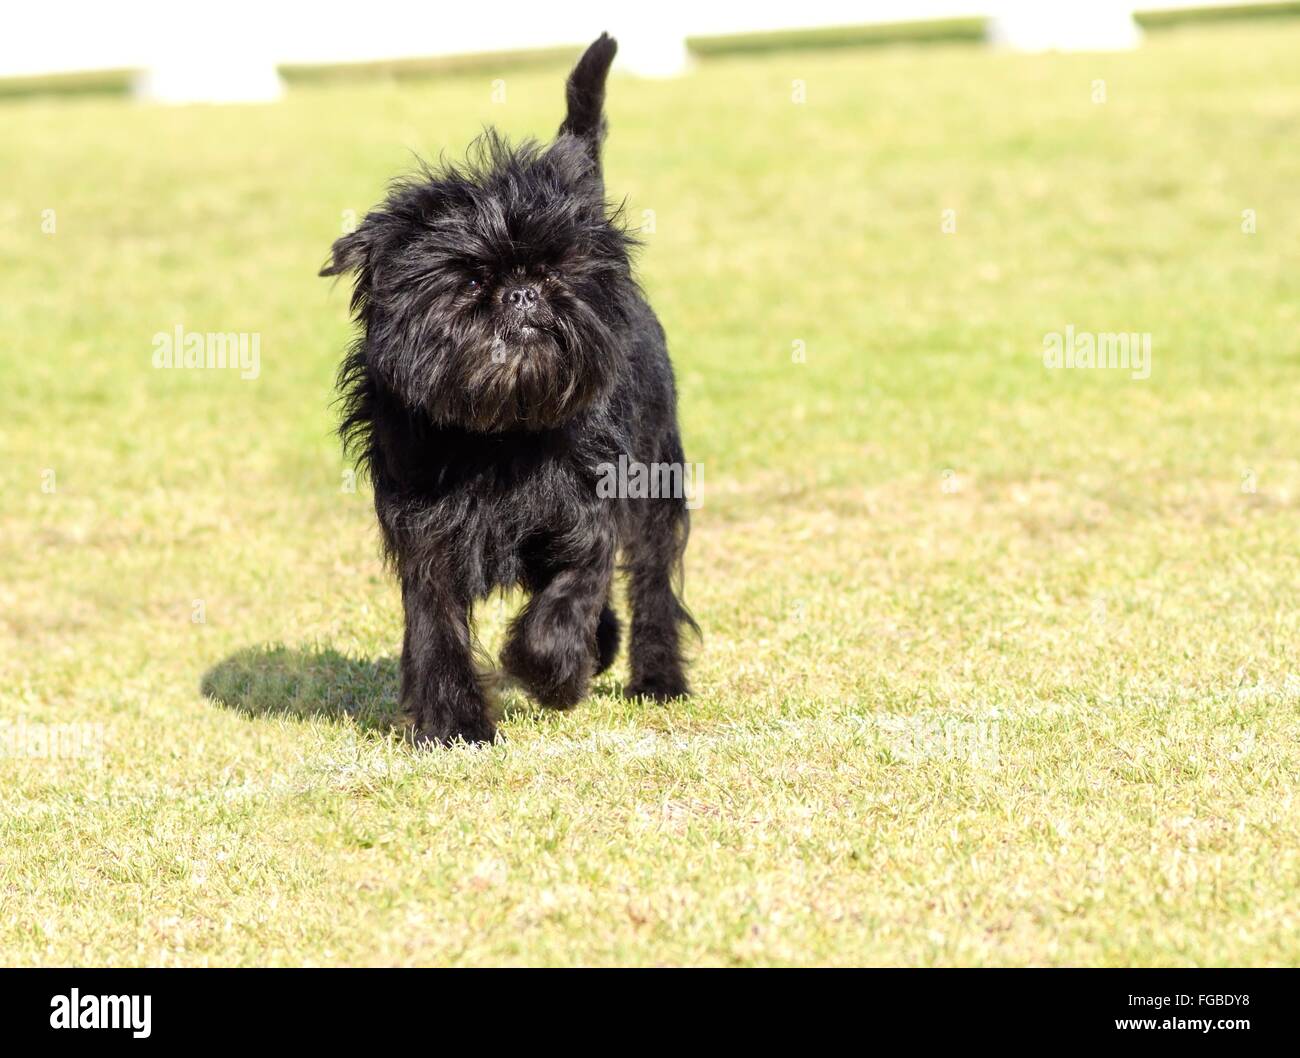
(242, 50)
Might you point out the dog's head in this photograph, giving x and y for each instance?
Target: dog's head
(492, 293)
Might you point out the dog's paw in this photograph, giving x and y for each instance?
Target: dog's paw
(658, 688)
(555, 672)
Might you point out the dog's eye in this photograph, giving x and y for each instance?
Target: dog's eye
(473, 286)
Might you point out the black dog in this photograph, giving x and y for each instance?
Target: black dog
(507, 360)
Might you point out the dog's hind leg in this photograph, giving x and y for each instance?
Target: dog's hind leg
(653, 554)
(566, 632)
(441, 693)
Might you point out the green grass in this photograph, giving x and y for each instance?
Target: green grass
(998, 665)
(1161, 18)
(923, 31)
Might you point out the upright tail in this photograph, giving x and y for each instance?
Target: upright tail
(585, 94)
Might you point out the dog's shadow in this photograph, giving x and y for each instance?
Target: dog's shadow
(320, 683)
(307, 684)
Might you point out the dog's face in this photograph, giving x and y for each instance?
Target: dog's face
(493, 295)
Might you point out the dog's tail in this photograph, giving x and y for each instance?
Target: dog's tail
(585, 94)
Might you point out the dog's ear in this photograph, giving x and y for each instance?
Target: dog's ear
(585, 95)
(350, 252)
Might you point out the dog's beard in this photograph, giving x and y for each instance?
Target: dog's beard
(487, 374)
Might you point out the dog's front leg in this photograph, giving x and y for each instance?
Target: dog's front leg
(554, 643)
(441, 693)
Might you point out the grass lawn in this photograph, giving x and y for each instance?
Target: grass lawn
(999, 663)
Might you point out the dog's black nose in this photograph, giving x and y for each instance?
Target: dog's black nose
(523, 298)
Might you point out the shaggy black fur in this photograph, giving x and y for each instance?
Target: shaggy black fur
(506, 353)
